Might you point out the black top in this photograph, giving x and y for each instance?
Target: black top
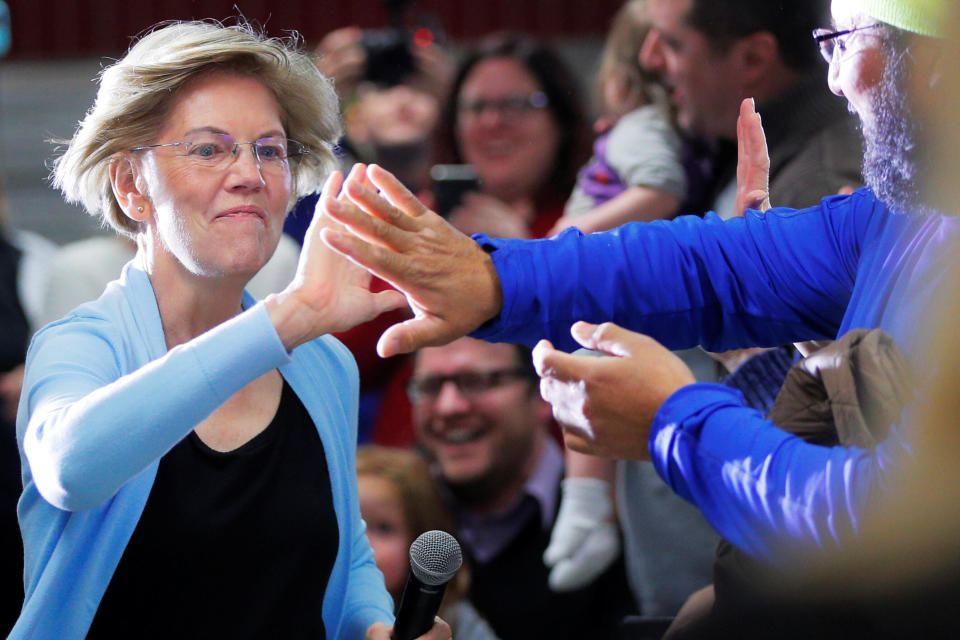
(511, 592)
(230, 545)
(13, 348)
(16, 333)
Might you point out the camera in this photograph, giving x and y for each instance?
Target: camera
(389, 60)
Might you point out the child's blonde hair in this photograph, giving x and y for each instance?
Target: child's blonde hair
(620, 60)
(420, 500)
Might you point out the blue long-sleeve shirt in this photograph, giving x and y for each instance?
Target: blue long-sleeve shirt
(762, 280)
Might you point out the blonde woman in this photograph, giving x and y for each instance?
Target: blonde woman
(189, 452)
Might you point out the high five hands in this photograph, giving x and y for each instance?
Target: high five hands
(449, 281)
(606, 405)
(327, 293)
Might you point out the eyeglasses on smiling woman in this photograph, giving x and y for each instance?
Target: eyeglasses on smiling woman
(508, 107)
(217, 151)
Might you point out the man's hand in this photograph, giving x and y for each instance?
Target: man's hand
(606, 405)
(449, 281)
(753, 192)
(753, 162)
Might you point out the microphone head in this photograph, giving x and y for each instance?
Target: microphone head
(435, 557)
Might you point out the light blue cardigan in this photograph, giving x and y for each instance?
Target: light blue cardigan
(103, 400)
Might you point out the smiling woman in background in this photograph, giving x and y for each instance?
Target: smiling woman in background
(188, 453)
(515, 114)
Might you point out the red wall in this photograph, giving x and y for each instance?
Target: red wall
(70, 28)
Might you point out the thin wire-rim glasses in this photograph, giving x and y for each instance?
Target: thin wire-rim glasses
(829, 41)
(219, 150)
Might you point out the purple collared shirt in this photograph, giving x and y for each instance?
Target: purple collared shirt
(488, 535)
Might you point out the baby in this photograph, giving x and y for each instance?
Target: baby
(635, 173)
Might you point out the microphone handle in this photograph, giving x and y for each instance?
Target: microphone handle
(418, 607)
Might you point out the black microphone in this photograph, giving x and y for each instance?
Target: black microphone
(434, 559)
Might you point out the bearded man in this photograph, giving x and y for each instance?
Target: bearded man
(879, 257)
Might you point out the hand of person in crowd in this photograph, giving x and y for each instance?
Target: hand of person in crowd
(435, 69)
(449, 280)
(753, 162)
(483, 213)
(562, 224)
(635, 204)
(342, 58)
(439, 631)
(732, 359)
(328, 292)
(585, 539)
(11, 384)
(604, 123)
(606, 405)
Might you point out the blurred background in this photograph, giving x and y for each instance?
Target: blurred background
(57, 48)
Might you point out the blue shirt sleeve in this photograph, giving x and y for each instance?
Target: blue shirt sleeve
(767, 491)
(761, 280)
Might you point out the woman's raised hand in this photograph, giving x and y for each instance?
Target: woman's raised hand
(449, 280)
(328, 293)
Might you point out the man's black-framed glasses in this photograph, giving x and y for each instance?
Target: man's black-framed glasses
(470, 383)
(830, 41)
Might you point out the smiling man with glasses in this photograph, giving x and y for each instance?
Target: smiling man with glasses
(478, 415)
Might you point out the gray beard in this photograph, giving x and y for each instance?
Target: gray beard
(892, 157)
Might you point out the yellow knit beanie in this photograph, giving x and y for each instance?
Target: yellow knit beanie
(926, 17)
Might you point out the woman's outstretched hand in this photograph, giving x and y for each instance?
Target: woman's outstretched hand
(449, 281)
(328, 293)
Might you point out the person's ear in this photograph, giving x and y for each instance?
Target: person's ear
(758, 55)
(128, 188)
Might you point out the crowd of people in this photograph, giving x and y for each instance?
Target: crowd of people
(645, 375)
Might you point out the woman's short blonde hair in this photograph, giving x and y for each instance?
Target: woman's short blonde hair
(136, 94)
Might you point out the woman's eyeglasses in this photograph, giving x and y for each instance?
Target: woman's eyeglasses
(508, 107)
(831, 41)
(218, 150)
